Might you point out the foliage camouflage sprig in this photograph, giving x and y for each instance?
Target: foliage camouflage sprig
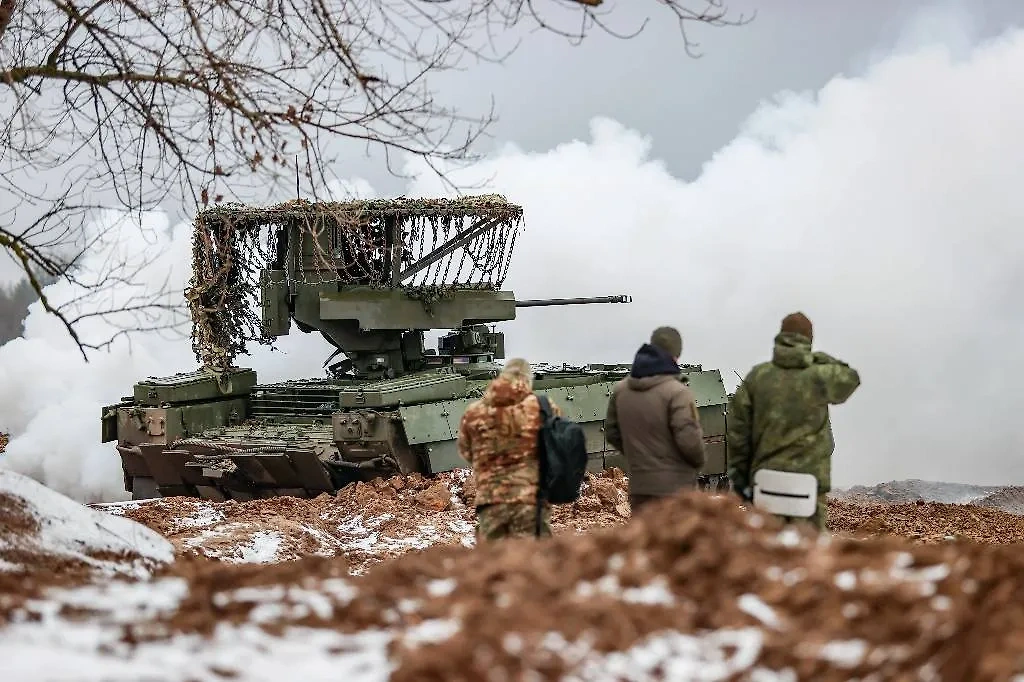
(342, 242)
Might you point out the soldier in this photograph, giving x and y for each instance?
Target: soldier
(779, 416)
(652, 420)
(498, 436)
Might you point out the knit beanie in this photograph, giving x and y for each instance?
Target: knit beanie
(799, 324)
(668, 340)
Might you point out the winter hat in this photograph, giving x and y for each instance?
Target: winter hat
(798, 324)
(668, 340)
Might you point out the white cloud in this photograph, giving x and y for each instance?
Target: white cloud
(888, 208)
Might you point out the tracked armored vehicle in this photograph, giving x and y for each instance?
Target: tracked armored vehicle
(372, 277)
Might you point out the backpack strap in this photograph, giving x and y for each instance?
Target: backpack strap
(545, 406)
(545, 414)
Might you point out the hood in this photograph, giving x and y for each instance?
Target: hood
(651, 361)
(647, 383)
(502, 392)
(792, 351)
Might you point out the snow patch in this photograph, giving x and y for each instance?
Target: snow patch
(714, 656)
(846, 580)
(441, 588)
(788, 537)
(72, 530)
(752, 605)
(205, 515)
(432, 631)
(261, 549)
(845, 653)
(126, 602)
(120, 508)
(655, 592)
(246, 652)
(66, 644)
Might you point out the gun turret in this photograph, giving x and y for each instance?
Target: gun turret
(371, 277)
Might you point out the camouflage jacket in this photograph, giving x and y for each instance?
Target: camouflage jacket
(778, 417)
(498, 436)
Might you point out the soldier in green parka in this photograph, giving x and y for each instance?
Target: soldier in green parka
(779, 415)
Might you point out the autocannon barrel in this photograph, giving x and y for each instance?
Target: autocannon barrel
(537, 302)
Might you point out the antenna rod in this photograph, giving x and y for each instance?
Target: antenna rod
(298, 194)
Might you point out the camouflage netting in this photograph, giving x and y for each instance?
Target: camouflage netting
(348, 243)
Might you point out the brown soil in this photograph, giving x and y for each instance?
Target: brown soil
(365, 522)
(827, 608)
(16, 583)
(926, 522)
(912, 606)
(1007, 498)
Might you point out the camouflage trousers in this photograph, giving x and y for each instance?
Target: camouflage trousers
(497, 521)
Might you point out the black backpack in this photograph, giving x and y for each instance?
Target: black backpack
(563, 457)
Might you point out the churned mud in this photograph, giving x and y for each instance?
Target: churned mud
(383, 581)
(926, 522)
(366, 522)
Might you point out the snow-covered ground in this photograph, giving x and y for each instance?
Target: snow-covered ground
(57, 647)
(366, 524)
(384, 582)
(42, 524)
(269, 531)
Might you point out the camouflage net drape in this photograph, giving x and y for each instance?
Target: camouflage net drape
(346, 243)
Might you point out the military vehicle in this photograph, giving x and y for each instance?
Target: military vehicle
(372, 277)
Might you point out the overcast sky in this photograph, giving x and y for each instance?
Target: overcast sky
(547, 92)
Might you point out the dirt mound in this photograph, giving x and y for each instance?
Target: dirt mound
(365, 522)
(926, 522)
(48, 539)
(693, 588)
(827, 610)
(912, 490)
(1009, 499)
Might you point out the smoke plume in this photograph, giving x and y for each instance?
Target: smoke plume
(886, 207)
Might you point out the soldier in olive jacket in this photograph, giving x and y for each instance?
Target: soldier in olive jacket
(779, 415)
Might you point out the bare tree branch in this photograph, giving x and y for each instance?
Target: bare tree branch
(125, 104)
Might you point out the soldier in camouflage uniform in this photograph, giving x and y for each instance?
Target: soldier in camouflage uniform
(779, 415)
(498, 436)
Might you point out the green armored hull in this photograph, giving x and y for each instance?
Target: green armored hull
(371, 277)
(306, 438)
